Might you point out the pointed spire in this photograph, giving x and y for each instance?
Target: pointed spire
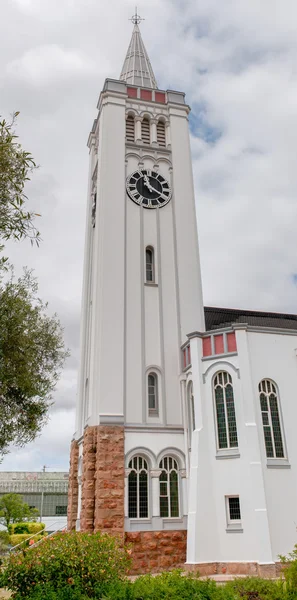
(137, 69)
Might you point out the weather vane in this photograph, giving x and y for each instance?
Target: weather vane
(136, 18)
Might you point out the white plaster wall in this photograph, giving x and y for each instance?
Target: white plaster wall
(107, 343)
(268, 496)
(273, 356)
(189, 282)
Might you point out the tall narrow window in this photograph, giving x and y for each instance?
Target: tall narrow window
(138, 488)
(191, 412)
(169, 501)
(152, 382)
(145, 131)
(225, 411)
(149, 265)
(130, 129)
(271, 420)
(161, 135)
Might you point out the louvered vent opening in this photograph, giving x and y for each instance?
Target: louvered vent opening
(130, 128)
(161, 137)
(145, 131)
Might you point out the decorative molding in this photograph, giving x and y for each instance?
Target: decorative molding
(217, 364)
(106, 419)
(155, 472)
(183, 473)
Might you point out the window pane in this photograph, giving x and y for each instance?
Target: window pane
(163, 488)
(143, 496)
(268, 442)
(164, 506)
(234, 509)
(231, 417)
(221, 418)
(174, 494)
(132, 494)
(277, 434)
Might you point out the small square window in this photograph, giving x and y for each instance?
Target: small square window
(233, 513)
(61, 510)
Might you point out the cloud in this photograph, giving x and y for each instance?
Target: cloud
(45, 65)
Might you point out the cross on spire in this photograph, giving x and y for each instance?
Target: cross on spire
(136, 19)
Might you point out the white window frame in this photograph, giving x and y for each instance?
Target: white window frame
(168, 487)
(138, 518)
(233, 524)
(151, 250)
(232, 450)
(274, 390)
(153, 412)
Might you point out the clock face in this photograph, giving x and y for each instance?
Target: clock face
(148, 189)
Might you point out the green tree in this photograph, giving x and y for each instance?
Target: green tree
(14, 510)
(16, 222)
(32, 353)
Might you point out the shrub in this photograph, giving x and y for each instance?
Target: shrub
(254, 588)
(78, 561)
(290, 572)
(4, 541)
(29, 527)
(18, 538)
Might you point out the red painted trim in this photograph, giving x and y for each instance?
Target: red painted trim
(132, 92)
(231, 342)
(219, 344)
(160, 97)
(146, 95)
(206, 346)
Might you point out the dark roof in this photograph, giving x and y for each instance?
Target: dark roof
(215, 318)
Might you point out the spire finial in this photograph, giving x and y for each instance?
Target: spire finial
(136, 19)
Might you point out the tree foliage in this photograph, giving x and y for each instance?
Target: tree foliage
(14, 510)
(32, 353)
(16, 222)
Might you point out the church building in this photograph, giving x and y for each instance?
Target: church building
(185, 441)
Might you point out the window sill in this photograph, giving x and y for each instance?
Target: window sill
(234, 529)
(172, 519)
(278, 463)
(216, 356)
(137, 520)
(228, 453)
(150, 284)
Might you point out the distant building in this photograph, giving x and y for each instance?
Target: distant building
(48, 492)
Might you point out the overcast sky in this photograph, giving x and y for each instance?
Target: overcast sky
(237, 62)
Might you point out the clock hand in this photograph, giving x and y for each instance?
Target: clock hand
(147, 183)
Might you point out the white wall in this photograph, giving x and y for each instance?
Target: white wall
(267, 494)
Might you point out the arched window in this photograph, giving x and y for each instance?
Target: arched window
(152, 385)
(169, 501)
(130, 129)
(271, 419)
(225, 411)
(149, 265)
(161, 135)
(138, 488)
(191, 412)
(145, 131)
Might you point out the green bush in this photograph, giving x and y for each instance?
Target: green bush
(253, 588)
(4, 541)
(290, 573)
(29, 527)
(77, 561)
(18, 538)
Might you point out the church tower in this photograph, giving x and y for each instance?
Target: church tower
(141, 297)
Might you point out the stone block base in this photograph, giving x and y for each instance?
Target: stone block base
(250, 569)
(157, 551)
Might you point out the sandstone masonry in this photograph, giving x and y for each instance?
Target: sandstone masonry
(73, 487)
